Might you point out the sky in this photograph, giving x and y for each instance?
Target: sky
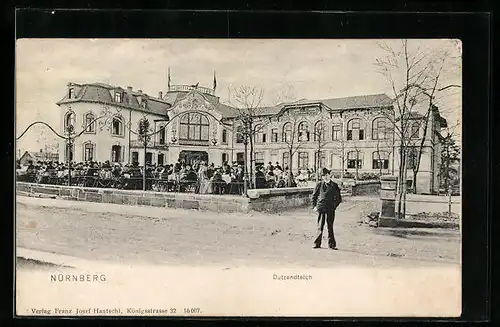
(313, 69)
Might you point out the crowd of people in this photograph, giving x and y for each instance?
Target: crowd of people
(198, 177)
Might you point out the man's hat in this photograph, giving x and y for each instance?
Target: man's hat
(325, 172)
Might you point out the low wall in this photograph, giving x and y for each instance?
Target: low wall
(270, 200)
(366, 188)
(280, 199)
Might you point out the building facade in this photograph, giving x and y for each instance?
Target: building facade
(350, 134)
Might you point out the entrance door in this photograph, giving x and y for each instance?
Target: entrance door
(160, 159)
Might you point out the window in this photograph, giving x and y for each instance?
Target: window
(355, 130)
(224, 136)
(162, 133)
(380, 130)
(69, 120)
(239, 134)
(286, 159)
(161, 157)
(303, 132)
(117, 128)
(319, 131)
(88, 152)
(411, 158)
(274, 135)
(354, 159)
(135, 156)
(259, 158)
(90, 123)
(260, 135)
(118, 96)
(116, 153)
(336, 132)
(194, 127)
(71, 93)
(224, 158)
(287, 132)
(149, 158)
(319, 160)
(380, 160)
(303, 160)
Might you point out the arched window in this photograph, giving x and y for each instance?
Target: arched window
(69, 119)
(89, 123)
(162, 134)
(287, 132)
(117, 126)
(380, 160)
(260, 135)
(304, 132)
(380, 129)
(319, 131)
(355, 130)
(194, 127)
(88, 151)
(336, 132)
(354, 159)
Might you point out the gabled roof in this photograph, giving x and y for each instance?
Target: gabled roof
(104, 93)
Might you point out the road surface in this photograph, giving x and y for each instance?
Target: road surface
(148, 235)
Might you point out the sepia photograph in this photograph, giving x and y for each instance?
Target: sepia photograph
(238, 177)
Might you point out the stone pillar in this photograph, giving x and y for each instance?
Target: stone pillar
(387, 217)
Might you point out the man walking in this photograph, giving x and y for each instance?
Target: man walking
(325, 199)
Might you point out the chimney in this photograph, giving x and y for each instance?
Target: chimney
(129, 88)
(160, 95)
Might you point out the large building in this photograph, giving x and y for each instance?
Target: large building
(349, 134)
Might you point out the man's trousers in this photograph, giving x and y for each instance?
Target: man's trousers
(329, 217)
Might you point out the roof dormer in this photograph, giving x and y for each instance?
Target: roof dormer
(118, 96)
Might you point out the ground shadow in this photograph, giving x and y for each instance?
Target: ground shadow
(404, 233)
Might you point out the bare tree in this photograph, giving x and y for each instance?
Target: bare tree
(408, 71)
(247, 100)
(320, 139)
(415, 77)
(290, 136)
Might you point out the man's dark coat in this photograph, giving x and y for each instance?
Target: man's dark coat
(326, 196)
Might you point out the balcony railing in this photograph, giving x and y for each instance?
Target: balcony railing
(187, 88)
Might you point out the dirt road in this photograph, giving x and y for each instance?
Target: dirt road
(125, 234)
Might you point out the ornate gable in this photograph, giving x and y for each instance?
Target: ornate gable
(194, 101)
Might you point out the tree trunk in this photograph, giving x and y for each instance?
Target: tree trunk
(144, 173)
(245, 171)
(252, 164)
(290, 167)
(405, 177)
(399, 184)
